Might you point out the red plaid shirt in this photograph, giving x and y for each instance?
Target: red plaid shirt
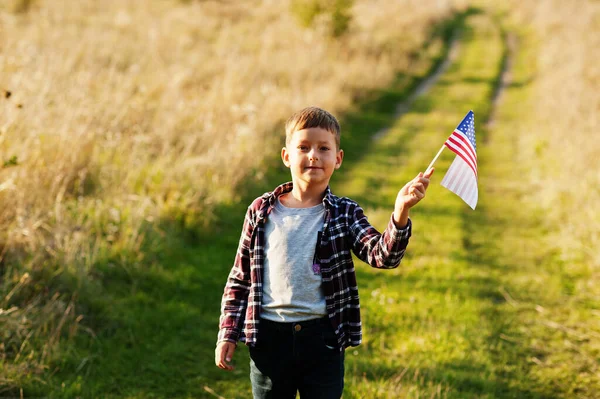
(345, 229)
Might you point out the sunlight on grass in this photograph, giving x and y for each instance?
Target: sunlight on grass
(132, 136)
(427, 317)
(123, 124)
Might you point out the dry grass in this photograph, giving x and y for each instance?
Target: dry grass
(125, 103)
(124, 114)
(560, 137)
(559, 148)
(117, 115)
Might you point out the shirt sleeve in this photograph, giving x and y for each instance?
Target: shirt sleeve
(237, 288)
(378, 250)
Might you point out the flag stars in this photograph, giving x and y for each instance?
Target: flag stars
(467, 127)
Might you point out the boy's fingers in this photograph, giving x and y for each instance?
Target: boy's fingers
(418, 187)
(229, 352)
(418, 190)
(422, 185)
(424, 180)
(229, 349)
(225, 366)
(422, 176)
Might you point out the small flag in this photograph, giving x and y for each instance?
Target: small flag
(461, 177)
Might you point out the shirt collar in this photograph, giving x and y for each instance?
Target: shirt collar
(271, 198)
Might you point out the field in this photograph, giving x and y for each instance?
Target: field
(134, 134)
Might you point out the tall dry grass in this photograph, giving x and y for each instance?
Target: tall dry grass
(117, 115)
(559, 145)
(561, 134)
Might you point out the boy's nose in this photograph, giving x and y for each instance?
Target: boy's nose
(312, 154)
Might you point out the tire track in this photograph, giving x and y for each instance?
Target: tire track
(505, 78)
(424, 86)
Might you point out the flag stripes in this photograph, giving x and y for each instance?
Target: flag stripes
(461, 177)
(461, 146)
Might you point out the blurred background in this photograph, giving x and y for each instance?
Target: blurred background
(128, 128)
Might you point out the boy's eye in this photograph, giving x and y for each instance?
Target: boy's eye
(324, 148)
(302, 147)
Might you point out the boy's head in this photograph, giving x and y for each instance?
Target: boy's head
(312, 147)
(312, 117)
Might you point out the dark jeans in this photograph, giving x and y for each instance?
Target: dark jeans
(292, 357)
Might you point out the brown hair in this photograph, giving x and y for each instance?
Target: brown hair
(312, 117)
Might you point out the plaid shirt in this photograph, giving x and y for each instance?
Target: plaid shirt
(345, 228)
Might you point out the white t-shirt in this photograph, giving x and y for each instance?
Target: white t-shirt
(292, 289)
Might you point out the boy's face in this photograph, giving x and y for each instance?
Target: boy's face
(312, 156)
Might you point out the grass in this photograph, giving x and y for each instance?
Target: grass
(483, 306)
(122, 124)
(168, 312)
(142, 311)
(426, 328)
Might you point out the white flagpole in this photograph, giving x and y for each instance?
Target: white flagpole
(436, 157)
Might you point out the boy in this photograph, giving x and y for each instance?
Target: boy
(291, 295)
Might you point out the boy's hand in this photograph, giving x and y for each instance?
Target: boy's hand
(224, 354)
(409, 196)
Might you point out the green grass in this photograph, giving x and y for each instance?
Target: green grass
(479, 308)
(430, 325)
(152, 325)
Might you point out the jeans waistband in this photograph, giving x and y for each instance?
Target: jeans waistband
(289, 326)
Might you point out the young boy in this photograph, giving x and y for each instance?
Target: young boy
(291, 295)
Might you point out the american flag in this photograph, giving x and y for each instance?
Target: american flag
(461, 177)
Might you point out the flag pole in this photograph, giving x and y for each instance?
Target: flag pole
(436, 157)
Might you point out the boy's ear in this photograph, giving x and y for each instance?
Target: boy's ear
(285, 157)
(338, 159)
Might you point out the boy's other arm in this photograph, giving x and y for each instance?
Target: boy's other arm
(235, 295)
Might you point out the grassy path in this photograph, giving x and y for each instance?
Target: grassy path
(430, 325)
(473, 310)
(448, 323)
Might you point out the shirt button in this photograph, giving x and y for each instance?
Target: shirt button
(297, 327)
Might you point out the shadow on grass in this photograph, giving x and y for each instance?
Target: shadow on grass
(464, 379)
(155, 328)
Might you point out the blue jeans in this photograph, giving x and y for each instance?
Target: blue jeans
(296, 357)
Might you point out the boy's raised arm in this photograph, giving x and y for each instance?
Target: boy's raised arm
(387, 250)
(378, 250)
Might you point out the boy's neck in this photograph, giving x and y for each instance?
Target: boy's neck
(304, 196)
